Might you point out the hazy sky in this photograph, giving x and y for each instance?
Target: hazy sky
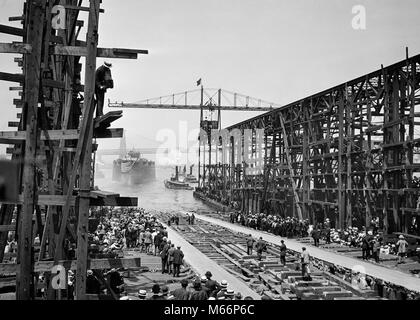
(275, 50)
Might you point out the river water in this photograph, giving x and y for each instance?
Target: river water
(154, 195)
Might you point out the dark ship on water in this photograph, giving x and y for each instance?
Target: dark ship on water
(190, 178)
(133, 169)
(177, 182)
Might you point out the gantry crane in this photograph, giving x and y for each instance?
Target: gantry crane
(208, 101)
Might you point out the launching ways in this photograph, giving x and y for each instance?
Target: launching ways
(392, 276)
(201, 263)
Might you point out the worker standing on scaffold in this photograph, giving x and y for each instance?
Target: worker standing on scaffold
(103, 81)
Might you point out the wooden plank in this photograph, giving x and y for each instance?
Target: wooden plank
(101, 52)
(117, 202)
(93, 264)
(6, 228)
(236, 263)
(18, 18)
(13, 77)
(18, 102)
(45, 135)
(11, 150)
(84, 151)
(32, 69)
(60, 200)
(106, 120)
(13, 124)
(108, 133)
(11, 30)
(53, 83)
(15, 48)
(10, 141)
(103, 194)
(291, 170)
(52, 104)
(15, 88)
(70, 7)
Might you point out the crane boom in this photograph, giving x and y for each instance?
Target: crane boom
(210, 99)
(184, 107)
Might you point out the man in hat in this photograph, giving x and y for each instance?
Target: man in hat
(93, 285)
(315, 236)
(249, 244)
(402, 245)
(142, 294)
(230, 294)
(156, 293)
(199, 293)
(165, 292)
(223, 289)
(164, 254)
(238, 296)
(212, 285)
(103, 81)
(365, 247)
(171, 258)
(116, 281)
(157, 241)
(283, 250)
(304, 258)
(178, 257)
(182, 293)
(260, 246)
(203, 281)
(376, 248)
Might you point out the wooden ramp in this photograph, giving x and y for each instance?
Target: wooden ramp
(201, 263)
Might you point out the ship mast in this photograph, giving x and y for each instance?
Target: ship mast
(123, 146)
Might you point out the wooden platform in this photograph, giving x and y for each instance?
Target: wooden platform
(45, 266)
(105, 121)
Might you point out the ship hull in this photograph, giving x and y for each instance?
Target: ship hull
(177, 185)
(141, 171)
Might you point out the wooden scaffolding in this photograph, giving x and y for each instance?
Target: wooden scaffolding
(55, 141)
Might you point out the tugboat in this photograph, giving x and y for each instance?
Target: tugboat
(134, 169)
(175, 183)
(189, 177)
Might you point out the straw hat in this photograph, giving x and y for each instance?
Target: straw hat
(230, 292)
(142, 293)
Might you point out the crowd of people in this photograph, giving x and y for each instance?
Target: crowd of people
(201, 288)
(286, 227)
(121, 228)
(370, 241)
(359, 280)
